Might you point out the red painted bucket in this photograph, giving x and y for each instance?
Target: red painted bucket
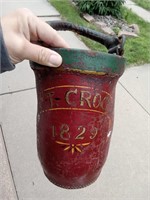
(75, 115)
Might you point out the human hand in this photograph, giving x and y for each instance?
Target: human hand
(22, 31)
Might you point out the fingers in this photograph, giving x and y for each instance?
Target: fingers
(26, 29)
(51, 37)
(39, 30)
(42, 55)
(44, 32)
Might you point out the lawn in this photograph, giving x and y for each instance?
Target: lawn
(136, 49)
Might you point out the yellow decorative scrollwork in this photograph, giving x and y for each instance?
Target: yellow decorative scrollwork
(73, 147)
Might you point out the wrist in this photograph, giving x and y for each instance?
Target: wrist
(6, 64)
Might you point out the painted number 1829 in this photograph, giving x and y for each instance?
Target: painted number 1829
(65, 134)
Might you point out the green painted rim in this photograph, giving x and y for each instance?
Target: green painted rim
(89, 62)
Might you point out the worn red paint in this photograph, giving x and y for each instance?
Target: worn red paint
(74, 124)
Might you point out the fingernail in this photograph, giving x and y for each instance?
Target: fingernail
(55, 60)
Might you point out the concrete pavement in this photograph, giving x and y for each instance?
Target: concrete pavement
(144, 14)
(125, 174)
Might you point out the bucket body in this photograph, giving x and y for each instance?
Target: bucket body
(75, 115)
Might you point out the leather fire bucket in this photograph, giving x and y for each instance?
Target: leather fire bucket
(75, 111)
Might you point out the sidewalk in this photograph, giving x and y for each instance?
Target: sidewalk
(144, 14)
(125, 174)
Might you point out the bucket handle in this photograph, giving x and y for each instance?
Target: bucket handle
(114, 44)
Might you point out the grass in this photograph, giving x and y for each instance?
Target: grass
(136, 49)
(143, 3)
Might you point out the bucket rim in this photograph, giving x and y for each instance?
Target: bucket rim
(87, 62)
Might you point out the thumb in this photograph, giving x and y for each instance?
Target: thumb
(42, 55)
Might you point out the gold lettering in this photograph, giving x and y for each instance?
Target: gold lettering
(85, 96)
(97, 100)
(68, 96)
(80, 135)
(64, 132)
(94, 132)
(53, 131)
(51, 94)
(105, 102)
